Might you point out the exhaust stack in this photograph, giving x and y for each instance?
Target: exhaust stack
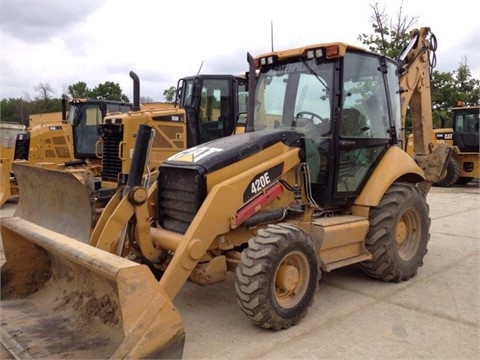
(136, 91)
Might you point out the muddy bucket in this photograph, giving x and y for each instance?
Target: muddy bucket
(62, 298)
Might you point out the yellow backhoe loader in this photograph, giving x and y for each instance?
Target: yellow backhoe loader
(207, 107)
(318, 181)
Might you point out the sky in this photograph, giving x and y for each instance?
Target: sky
(62, 42)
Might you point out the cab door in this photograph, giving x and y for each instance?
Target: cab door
(366, 123)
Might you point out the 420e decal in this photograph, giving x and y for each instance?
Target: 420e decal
(262, 181)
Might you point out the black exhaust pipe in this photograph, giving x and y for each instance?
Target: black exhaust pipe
(252, 80)
(64, 107)
(136, 91)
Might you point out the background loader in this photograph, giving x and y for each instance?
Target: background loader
(463, 138)
(95, 142)
(206, 107)
(317, 182)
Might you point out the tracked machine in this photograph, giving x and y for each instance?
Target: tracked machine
(317, 182)
(66, 143)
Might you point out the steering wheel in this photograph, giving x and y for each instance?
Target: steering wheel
(310, 116)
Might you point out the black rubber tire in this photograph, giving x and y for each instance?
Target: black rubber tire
(266, 291)
(463, 180)
(451, 176)
(398, 234)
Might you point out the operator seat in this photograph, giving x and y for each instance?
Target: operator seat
(353, 123)
(351, 165)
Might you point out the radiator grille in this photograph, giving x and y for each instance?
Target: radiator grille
(180, 194)
(111, 163)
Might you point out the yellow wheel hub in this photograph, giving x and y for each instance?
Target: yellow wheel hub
(287, 277)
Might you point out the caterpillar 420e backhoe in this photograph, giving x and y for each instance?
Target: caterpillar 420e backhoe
(318, 181)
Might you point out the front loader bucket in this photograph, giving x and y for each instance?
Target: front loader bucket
(62, 298)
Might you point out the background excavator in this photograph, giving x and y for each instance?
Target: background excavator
(463, 138)
(318, 181)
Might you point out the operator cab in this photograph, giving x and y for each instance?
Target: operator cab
(85, 116)
(465, 128)
(212, 104)
(340, 104)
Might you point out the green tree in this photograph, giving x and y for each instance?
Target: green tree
(109, 91)
(467, 87)
(15, 110)
(170, 93)
(40, 106)
(443, 97)
(18, 110)
(450, 89)
(389, 37)
(79, 90)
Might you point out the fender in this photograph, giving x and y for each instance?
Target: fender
(395, 164)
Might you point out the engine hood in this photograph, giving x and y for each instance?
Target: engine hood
(219, 153)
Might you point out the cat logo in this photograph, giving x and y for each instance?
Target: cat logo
(194, 154)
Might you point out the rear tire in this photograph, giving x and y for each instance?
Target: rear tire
(398, 234)
(278, 276)
(451, 176)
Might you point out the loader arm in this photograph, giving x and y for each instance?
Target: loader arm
(416, 96)
(215, 217)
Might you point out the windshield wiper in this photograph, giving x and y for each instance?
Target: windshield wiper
(314, 73)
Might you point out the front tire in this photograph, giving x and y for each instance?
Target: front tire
(398, 234)
(278, 276)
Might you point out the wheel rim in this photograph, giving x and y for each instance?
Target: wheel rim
(407, 234)
(291, 279)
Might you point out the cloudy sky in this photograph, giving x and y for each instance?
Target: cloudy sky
(61, 42)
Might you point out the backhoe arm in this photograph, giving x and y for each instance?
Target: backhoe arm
(416, 96)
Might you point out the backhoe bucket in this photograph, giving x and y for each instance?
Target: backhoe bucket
(62, 298)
